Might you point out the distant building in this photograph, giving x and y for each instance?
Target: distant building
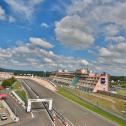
(82, 79)
(5, 75)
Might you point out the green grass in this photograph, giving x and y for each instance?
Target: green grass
(22, 94)
(20, 91)
(112, 104)
(78, 100)
(16, 85)
(122, 92)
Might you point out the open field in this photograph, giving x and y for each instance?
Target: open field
(112, 104)
(78, 100)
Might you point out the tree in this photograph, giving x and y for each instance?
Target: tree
(8, 82)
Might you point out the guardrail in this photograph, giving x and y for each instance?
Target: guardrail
(19, 99)
(61, 117)
(112, 95)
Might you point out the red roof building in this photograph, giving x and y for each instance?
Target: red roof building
(1, 87)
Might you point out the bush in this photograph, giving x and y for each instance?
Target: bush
(8, 82)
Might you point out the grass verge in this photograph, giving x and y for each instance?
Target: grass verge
(1, 106)
(93, 108)
(22, 94)
(16, 85)
(20, 91)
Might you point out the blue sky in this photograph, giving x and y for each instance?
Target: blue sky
(70, 34)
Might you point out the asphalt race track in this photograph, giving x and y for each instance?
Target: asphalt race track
(75, 114)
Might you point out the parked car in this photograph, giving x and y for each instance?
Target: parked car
(3, 116)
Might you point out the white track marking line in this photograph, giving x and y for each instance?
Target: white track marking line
(32, 115)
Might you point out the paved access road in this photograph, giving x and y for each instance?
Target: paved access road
(4, 110)
(77, 115)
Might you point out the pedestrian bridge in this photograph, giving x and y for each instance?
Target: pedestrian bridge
(47, 100)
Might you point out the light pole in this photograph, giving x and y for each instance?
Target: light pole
(45, 73)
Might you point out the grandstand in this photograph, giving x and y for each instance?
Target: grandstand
(82, 79)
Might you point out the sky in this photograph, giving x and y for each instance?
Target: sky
(64, 34)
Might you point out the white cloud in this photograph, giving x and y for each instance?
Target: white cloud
(101, 20)
(112, 58)
(72, 30)
(2, 13)
(87, 20)
(47, 60)
(60, 6)
(24, 7)
(40, 42)
(101, 16)
(30, 56)
(78, 6)
(5, 17)
(115, 39)
(104, 52)
(111, 30)
(5, 53)
(121, 46)
(22, 49)
(44, 25)
(100, 10)
(83, 62)
(111, 13)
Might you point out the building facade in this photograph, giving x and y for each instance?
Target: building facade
(81, 79)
